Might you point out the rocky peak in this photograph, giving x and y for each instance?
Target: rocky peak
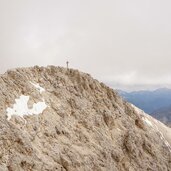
(53, 118)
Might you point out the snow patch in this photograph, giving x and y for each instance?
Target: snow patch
(20, 108)
(37, 86)
(163, 138)
(143, 115)
(148, 121)
(152, 122)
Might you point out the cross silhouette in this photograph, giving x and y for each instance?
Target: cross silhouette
(67, 64)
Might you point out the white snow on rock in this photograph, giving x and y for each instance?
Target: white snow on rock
(147, 121)
(155, 124)
(20, 108)
(37, 86)
(143, 115)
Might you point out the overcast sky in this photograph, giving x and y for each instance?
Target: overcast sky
(125, 43)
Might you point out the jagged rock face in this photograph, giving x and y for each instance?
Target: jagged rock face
(57, 119)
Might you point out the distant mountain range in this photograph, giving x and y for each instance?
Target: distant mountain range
(163, 114)
(156, 103)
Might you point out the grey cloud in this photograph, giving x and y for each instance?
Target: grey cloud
(124, 43)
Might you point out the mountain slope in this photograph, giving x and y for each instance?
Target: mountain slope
(57, 119)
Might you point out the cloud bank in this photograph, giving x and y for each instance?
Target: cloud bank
(123, 43)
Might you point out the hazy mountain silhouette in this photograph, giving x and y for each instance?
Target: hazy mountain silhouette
(163, 114)
(157, 103)
(149, 101)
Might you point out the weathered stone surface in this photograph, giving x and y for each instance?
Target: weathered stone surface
(85, 127)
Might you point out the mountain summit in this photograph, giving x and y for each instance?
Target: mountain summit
(52, 118)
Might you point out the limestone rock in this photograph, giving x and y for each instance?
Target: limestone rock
(85, 125)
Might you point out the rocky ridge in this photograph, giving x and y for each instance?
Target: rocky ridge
(71, 122)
